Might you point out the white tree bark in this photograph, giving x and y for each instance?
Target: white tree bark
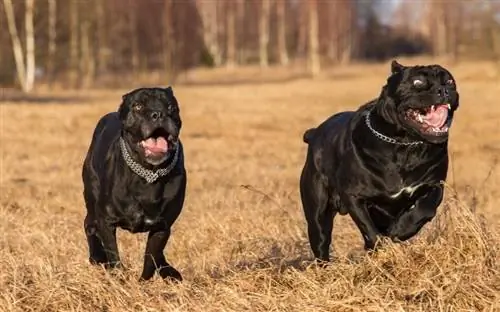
(282, 49)
(208, 13)
(30, 45)
(264, 32)
(52, 38)
(16, 44)
(313, 51)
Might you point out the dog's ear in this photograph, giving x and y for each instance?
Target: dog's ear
(396, 68)
(169, 91)
(170, 96)
(124, 106)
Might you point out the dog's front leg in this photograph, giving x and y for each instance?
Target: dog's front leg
(155, 259)
(358, 211)
(411, 221)
(107, 234)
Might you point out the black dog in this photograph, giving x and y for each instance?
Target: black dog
(134, 178)
(383, 164)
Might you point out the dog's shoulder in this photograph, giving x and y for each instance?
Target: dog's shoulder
(106, 132)
(337, 122)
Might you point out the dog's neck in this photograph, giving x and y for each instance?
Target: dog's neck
(150, 175)
(387, 131)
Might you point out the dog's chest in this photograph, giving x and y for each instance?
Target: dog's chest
(139, 212)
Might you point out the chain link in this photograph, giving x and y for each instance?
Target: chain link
(149, 175)
(386, 138)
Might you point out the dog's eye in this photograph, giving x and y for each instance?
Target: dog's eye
(418, 82)
(137, 106)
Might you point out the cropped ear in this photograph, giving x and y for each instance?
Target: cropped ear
(124, 106)
(396, 68)
(169, 91)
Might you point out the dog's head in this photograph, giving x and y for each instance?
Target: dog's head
(151, 123)
(421, 100)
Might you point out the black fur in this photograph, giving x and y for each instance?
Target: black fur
(348, 170)
(117, 197)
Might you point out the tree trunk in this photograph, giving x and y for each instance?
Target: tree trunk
(134, 45)
(87, 67)
(208, 12)
(30, 45)
(16, 44)
(240, 25)
(282, 48)
(302, 29)
(439, 32)
(102, 48)
(313, 51)
(168, 40)
(51, 32)
(264, 32)
(347, 33)
(231, 34)
(335, 28)
(73, 46)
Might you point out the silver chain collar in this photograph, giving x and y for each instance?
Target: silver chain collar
(149, 175)
(384, 137)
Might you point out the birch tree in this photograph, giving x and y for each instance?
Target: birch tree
(25, 62)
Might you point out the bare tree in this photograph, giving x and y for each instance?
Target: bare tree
(102, 47)
(87, 64)
(240, 25)
(281, 29)
(73, 46)
(51, 32)
(30, 45)
(132, 30)
(208, 12)
(264, 32)
(168, 38)
(313, 51)
(231, 34)
(16, 44)
(25, 70)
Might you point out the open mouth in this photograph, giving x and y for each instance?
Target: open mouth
(432, 120)
(158, 143)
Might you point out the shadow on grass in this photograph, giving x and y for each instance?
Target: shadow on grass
(274, 260)
(15, 97)
(231, 81)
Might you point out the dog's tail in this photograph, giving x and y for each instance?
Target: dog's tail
(309, 135)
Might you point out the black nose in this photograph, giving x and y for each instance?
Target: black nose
(443, 91)
(156, 115)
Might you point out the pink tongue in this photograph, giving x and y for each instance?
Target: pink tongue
(438, 117)
(155, 146)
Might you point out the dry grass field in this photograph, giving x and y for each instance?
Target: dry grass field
(241, 241)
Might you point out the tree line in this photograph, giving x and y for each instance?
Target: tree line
(89, 43)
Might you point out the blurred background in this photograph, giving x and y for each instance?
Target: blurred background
(75, 44)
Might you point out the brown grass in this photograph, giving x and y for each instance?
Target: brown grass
(240, 241)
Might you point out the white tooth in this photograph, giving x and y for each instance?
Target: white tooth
(449, 106)
(420, 118)
(433, 108)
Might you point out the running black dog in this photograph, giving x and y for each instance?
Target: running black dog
(134, 178)
(383, 164)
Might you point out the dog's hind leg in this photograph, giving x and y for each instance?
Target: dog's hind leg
(155, 259)
(318, 211)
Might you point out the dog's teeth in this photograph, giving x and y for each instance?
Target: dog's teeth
(420, 118)
(433, 108)
(449, 106)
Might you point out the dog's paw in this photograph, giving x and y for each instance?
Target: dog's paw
(170, 274)
(97, 261)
